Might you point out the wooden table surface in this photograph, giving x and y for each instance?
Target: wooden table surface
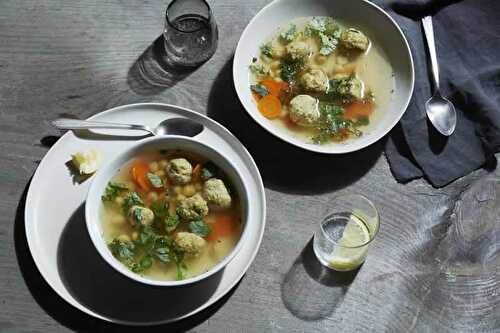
(433, 266)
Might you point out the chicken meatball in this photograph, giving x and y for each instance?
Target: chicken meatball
(189, 242)
(140, 215)
(304, 110)
(348, 85)
(216, 193)
(315, 80)
(192, 208)
(354, 39)
(179, 171)
(298, 50)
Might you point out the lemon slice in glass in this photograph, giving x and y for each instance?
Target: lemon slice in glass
(351, 251)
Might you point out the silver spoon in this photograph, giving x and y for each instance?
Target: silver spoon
(440, 110)
(172, 126)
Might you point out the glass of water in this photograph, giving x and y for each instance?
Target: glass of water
(190, 34)
(342, 239)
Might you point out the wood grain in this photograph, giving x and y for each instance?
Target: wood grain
(433, 266)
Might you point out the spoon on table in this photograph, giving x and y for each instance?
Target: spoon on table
(172, 126)
(440, 110)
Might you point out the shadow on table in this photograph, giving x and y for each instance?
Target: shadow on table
(311, 291)
(285, 167)
(151, 74)
(84, 271)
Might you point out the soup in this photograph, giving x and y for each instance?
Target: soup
(170, 215)
(321, 80)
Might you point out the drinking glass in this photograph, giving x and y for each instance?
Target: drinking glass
(190, 34)
(342, 239)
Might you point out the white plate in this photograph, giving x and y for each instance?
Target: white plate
(62, 249)
(373, 20)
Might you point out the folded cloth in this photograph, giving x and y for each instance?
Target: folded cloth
(467, 35)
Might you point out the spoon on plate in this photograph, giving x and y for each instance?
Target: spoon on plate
(440, 110)
(172, 126)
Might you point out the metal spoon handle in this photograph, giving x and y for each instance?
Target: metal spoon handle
(68, 123)
(429, 36)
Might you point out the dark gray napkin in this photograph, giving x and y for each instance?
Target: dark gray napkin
(467, 37)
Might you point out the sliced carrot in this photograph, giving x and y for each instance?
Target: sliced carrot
(139, 173)
(269, 106)
(224, 225)
(274, 87)
(358, 109)
(196, 174)
(256, 96)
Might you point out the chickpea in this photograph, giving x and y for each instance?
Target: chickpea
(135, 235)
(275, 64)
(124, 238)
(153, 196)
(189, 190)
(321, 59)
(163, 164)
(177, 189)
(153, 166)
(119, 201)
(198, 187)
(180, 197)
(160, 173)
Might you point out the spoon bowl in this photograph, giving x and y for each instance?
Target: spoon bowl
(442, 114)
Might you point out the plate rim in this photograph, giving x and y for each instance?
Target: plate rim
(28, 214)
(304, 145)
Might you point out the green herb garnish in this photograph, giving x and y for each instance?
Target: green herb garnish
(208, 171)
(267, 50)
(259, 89)
(200, 228)
(113, 189)
(171, 222)
(290, 34)
(290, 69)
(326, 32)
(155, 180)
(132, 199)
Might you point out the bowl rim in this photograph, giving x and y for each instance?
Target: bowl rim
(93, 227)
(341, 149)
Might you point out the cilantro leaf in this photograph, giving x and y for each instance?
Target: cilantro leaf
(155, 180)
(259, 89)
(200, 228)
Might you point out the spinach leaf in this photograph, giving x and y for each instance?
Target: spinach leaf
(138, 215)
(171, 222)
(259, 89)
(200, 228)
(155, 180)
(113, 189)
(290, 34)
(208, 171)
(290, 69)
(267, 50)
